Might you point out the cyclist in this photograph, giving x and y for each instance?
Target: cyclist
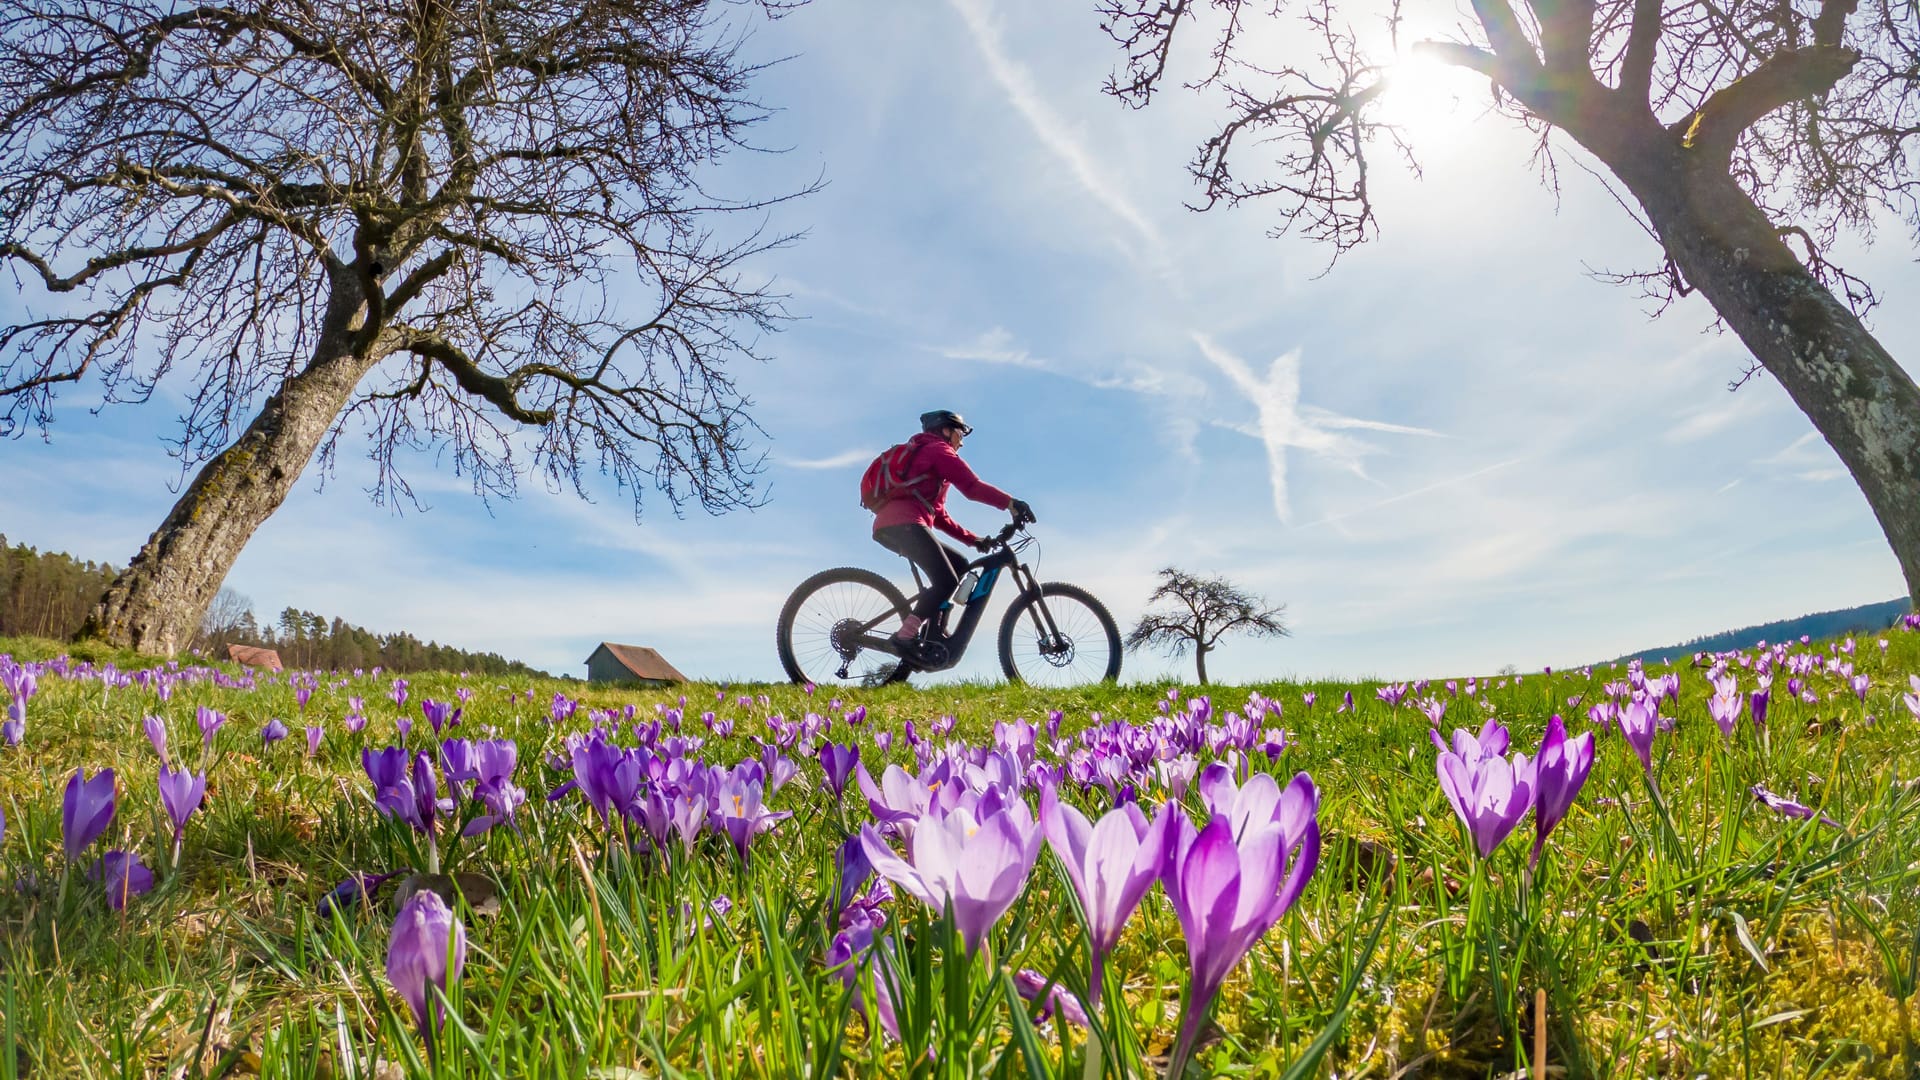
(905, 524)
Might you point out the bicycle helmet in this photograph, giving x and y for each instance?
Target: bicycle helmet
(941, 419)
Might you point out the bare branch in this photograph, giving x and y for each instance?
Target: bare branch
(1784, 78)
(507, 203)
(1643, 42)
(1213, 607)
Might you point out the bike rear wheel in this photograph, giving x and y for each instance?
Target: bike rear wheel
(823, 618)
(1085, 650)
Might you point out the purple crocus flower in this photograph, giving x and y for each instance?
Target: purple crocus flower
(314, 732)
(1492, 741)
(900, 799)
(739, 812)
(1560, 771)
(210, 724)
(853, 869)
(399, 693)
(439, 714)
(1788, 807)
(414, 799)
(181, 793)
(979, 866)
(1639, 719)
(1724, 705)
(838, 763)
(1176, 774)
(1490, 794)
(385, 767)
(1228, 893)
(1053, 997)
(123, 875)
(20, 685)
(1110, 864)
(353, 890)
(86, 810)
(458, 761)
(273, 732)
(608, 777)
(687, 814)
(156, 731)
(1757, 702)
(302, 695)
(428, 947)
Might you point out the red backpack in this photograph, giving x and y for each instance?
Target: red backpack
(886, 479)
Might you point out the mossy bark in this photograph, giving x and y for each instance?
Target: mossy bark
(1858, 398)
(156, 604)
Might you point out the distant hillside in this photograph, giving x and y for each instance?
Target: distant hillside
(48, 595)
(1866, 619)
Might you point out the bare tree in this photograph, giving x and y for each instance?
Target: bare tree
(471, 227)
(224, 617)
(1201, 612)
(1750, 133)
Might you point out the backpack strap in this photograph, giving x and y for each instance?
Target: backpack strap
(911, 485)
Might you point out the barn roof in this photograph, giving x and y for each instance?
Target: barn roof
(254, 656)
(642, 661)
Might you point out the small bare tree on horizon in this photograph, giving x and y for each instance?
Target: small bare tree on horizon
(1203, 610)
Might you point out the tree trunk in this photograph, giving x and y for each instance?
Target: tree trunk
(156, 604)
(1858, 397)
(1200, 663)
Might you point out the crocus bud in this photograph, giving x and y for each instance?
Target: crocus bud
(427, 948)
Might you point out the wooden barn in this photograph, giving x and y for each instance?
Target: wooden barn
(612, 663)
(254, 656)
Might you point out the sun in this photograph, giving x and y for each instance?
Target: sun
(1428, 100)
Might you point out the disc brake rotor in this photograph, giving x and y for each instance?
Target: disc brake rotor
(1058, 652)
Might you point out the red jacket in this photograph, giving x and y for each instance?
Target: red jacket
(936, 457)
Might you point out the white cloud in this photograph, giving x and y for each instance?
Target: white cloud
(1711, 420)
(1801, 451)
(996, 346)
(1282, 423)
(1415, 493)
(1055, 133)
(845, 460)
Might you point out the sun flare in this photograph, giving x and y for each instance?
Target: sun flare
(1428, 100)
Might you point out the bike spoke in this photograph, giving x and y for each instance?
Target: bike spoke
(832, 616)
(1080, 654)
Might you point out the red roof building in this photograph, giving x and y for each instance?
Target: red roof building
(254, 656)
(611, 662)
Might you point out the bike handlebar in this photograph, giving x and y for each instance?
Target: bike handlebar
(1000, 538)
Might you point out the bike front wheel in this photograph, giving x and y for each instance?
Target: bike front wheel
(823, 621)
(1060, 637)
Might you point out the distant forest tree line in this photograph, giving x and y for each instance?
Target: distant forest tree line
(48, 595)
(1866, 619)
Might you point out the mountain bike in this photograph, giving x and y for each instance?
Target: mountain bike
(838, 626)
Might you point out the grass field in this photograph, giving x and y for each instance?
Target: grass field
(1677, 924)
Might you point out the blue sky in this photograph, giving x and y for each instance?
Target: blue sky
(1453, 452)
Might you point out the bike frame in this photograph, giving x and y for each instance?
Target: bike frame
(991, 565)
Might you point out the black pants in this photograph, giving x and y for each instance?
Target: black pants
(942, 564)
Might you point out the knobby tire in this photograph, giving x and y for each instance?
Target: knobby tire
(1068, 604)
(792, 653)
